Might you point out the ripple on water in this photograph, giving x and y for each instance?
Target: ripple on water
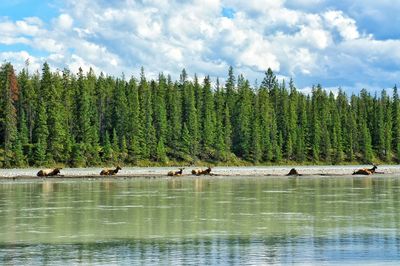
(46, 208)
(277, 191)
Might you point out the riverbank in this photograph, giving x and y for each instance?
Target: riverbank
(159, 172)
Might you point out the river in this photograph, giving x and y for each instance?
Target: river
(201, 220)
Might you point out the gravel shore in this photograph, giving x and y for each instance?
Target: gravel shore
(131, 172)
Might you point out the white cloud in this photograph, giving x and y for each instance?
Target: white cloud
(48, 44)
(315, 37)
(346, 26)
(75, 62)
(64, 22)
(20, 58)
(167, 36)
(257, 55)
(29, 27)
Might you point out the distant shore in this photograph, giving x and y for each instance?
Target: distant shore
(160, 172)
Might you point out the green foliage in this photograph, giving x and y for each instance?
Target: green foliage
(84, 119)
(9, 93)
(161, 155)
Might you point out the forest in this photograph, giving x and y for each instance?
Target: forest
(78, 120)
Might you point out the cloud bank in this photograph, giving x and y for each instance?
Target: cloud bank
(313, 41)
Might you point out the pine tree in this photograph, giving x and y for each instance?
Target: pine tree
(135, 128)
(396, 123)
(82, 102)
(160, 153)
(52, 118)
(22, 109)
(366, 144)
(186, 140)
(302, 132)
(388, 125)
(230, 88)
(242, 135)
(41, 131)
(227, 128)
(115, 146)
(56, 119)
(40, 136)
(19, 159)
(107, 149)
(120, 110)
(220, 147)
(190, 116)
(160, 112)
(208, 117)
(255, 153)
(8, 115)
(174, 117)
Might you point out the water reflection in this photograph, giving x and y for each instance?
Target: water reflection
(201, 221)
(47, 187)
(213, 251)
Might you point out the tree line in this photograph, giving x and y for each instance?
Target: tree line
(82, 119)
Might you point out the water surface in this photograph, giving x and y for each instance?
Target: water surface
(191, 220)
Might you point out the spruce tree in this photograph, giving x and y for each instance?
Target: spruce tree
(135, 128)
(8, 113)
(41, 134)
(208, 117)
(255, 153)
(242, 134)
(396, 123)
(366, 146)
(56, 119)
(107, 154)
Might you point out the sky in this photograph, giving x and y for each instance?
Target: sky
(335, 43)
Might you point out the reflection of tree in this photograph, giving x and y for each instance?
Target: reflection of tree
(227, 221)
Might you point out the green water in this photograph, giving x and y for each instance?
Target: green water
(242, 221)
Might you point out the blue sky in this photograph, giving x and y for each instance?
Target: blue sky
(337, 43)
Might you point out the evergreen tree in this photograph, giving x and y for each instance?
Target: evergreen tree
(388, 125)
(174, 117)
(186, 140)
(53, 118)
(396, 123)
(107, 149)
(135, 127)
(82, 125)
(242, 137)
(115, 146)
(366, 144)
(302, 132)
(8, 114)
(255, 153)
(160, 112)
(160, 153)
(41, 134)
(208, 117)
